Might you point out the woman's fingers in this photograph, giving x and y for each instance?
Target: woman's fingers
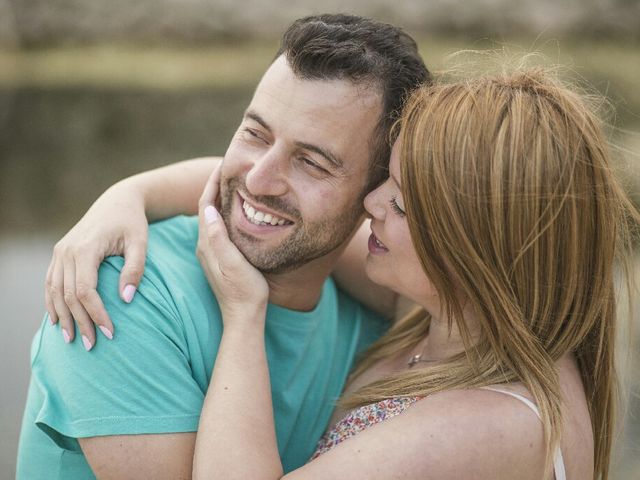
(48, 290)
(216, 235)
(80, 315)
(71, 289)
(238, 286)
(207, 215)
(56, 291)
(211, 189)
(135, 252)
(210, 229)
(86, 282)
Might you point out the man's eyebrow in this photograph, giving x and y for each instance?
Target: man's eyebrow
(333, 159)
(257, 118)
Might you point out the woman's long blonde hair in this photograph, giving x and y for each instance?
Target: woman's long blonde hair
(513, 207)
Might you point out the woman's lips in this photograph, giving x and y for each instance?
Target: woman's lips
(376, 247)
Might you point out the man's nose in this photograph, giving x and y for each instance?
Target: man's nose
(267, 175)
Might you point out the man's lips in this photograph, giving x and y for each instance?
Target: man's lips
(262, 216)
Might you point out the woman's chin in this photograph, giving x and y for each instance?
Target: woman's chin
(376, 273)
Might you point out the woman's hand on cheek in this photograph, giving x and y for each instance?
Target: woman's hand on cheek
(241, 290)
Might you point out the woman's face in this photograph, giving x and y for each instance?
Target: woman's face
(392, 260)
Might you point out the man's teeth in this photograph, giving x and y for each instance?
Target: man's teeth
(261, 218)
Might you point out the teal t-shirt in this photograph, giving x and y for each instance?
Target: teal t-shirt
(153, 376)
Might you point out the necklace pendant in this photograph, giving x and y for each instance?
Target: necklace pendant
(415, 359)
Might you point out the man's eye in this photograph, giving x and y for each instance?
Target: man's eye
(255, 134)
(310, 163)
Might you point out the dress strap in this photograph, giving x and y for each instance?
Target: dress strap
(558, 461)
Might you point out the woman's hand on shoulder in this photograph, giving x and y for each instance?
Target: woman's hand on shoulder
(115, 224)
(241, 290)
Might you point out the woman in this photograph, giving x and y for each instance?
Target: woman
(501, 220)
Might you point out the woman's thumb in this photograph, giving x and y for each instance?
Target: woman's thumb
(131, 274)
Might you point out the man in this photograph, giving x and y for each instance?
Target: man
(312, 142)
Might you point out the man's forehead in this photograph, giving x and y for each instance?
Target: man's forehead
(332, 112)
(281, 84)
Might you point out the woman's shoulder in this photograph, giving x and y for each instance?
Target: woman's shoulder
(448, 435)
(473, 433)
(497, 428)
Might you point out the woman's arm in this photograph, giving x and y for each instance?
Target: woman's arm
(174, 189)
(236, 435)
(116, 224)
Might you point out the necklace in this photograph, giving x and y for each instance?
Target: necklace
(417, 359)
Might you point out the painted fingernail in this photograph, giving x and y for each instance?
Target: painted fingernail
(210, 214)
(128, 292)
(86, 343)
(51, 321)
(65, 335)
(106, 332)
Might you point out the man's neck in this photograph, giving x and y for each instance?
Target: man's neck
(299, 289)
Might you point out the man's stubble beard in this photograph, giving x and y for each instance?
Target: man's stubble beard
(306, 242)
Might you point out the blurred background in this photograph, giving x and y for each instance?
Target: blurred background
(91, 92)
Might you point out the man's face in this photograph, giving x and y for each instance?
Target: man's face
(294, 173)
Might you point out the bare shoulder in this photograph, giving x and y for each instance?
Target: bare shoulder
(487, 433)
(471, 434)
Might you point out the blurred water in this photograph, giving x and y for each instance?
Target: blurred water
(60, 148)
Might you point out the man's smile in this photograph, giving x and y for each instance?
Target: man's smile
(260, 217)
(256, 220)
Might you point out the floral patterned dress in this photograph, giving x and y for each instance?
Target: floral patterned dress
(361, 418)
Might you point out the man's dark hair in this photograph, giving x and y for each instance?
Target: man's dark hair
(348, 47)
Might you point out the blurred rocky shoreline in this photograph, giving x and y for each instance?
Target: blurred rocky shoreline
(38, 23)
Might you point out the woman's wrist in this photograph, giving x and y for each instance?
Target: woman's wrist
(245, 319)
(145, 188)
(250, 315)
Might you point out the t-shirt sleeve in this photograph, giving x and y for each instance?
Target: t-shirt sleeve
(139, 382)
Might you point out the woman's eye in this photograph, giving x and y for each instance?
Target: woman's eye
(396, 208)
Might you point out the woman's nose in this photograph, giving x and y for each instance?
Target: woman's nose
(373, 204)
